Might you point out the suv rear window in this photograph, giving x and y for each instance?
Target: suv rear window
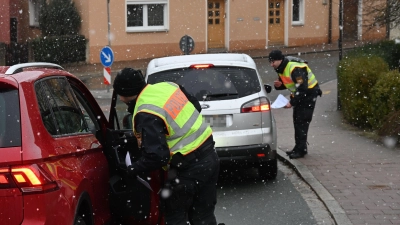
(214, 83)
(10, 125)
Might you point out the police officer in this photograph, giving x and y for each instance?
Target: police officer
(295, 75)
(171, 132)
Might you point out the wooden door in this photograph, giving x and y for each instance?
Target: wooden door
(275, 22)
(350, 22)
(216, 23)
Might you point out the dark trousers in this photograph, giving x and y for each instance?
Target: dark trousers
(302, 116)
(193, 193)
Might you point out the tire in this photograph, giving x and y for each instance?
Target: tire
(268, 170)
(79, 221)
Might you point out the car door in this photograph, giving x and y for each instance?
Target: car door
(142, 202)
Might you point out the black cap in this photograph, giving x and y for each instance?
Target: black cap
(129, 82)
(275, 55)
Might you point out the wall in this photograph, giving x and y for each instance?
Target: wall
(183, 20)
(248, 24)
(316, 25)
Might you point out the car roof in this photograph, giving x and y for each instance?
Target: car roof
(31, 71)
(184, 61)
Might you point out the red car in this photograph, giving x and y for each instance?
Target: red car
(61, 160)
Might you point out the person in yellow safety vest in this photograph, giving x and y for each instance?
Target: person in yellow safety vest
(295, 75)
(168, 124)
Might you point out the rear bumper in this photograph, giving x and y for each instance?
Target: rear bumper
(247, 155)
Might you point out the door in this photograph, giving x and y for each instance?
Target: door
(141, 205)
(275, 22)
(350, 22)
(216, 24)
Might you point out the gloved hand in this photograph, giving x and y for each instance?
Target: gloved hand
(131, 171)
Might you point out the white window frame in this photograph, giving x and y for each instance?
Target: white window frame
(145, 27)
(301, 14)
(34, 11)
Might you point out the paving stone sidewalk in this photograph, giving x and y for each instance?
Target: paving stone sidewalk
(357, 178)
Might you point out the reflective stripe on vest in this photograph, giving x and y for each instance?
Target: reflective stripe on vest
(287, 79)
(185, 125)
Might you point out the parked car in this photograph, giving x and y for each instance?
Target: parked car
(234, 102)
(61, 160)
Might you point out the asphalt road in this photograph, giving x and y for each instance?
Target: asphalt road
(243, 199)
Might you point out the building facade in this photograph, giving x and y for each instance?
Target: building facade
(139, 29)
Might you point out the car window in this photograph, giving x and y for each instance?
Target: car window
(10, 125)
(60, 111)
(215, 83)
(124, 118)
(88, 113)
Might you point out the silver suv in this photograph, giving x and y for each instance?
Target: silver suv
(234, 102)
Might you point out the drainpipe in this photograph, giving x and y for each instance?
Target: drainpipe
(330, 23)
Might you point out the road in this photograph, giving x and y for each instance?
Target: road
(243, 198)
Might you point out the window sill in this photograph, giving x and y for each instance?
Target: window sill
(129, 30)
(297, 23)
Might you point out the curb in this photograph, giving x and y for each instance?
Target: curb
(336, 211)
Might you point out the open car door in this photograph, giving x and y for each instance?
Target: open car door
(132, 201)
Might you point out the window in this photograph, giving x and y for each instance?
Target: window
(10, 126)
(146, 15)
(298, 12)
(216, 83)
(34, 11)
(61, 113)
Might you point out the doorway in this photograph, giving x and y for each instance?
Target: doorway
(276, 22)
(350, 22)
(216, 24)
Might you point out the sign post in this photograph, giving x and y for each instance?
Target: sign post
(107, 58)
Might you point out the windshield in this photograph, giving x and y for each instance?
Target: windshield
(10, 126)
(215, 83)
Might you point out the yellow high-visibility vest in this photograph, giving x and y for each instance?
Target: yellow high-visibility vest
(287, 79)
(185, 125)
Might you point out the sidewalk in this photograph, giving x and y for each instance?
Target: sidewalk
(357, 179)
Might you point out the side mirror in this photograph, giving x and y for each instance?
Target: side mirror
(268, 88)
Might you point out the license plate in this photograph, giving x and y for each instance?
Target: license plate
(216, 120)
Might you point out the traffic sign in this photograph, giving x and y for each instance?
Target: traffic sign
(186, 44)
(106, 56)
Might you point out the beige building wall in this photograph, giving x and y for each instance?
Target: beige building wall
(183, 20)
(315, 29)
(247, 25)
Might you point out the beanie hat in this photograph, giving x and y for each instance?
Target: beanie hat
(275, 55)
(129, 82)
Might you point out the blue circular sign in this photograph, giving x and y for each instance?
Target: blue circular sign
(106, 56)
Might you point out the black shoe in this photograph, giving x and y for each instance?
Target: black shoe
(296, 155)
(289, 152)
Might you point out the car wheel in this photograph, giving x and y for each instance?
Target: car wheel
(79, 221)
(268, 170)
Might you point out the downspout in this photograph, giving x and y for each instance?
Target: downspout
(330, 23)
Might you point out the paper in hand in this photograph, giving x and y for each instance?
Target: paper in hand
(128, 161)
(280, 102)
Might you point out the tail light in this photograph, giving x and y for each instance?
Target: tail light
(201, 66)
(257, 105)
(29, 179)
